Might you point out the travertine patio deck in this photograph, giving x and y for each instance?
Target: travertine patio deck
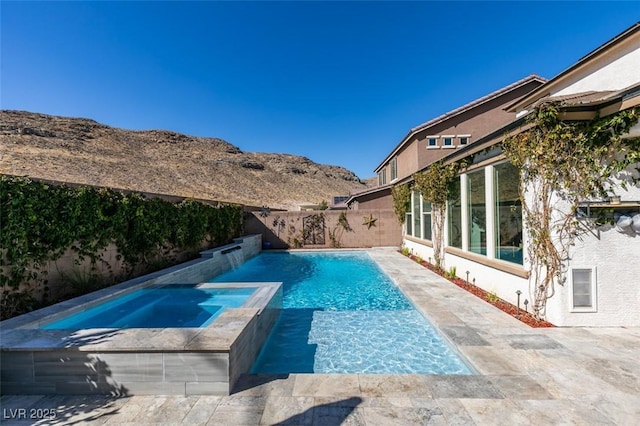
(528, 376)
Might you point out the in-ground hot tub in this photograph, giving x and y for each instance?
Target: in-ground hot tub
(50, 351)
(165, 306)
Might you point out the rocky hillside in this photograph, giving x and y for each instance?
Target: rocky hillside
(84, 151)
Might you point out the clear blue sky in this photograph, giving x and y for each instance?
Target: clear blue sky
(338, 82)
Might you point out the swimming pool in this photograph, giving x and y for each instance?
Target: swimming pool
(166, 306)
(342, 314)
(178, 355)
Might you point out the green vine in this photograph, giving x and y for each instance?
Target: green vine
(335, 233)
(561, 164)
(401, 195)
(40, 222)
(435, 184)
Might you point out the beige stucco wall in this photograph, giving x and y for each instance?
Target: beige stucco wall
(281, 229)
(616, 70)
(477, 122)
(377, 201)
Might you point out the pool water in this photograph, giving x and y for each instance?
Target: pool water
(158, 307)
(342, 314)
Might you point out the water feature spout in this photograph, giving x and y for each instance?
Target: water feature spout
(235, 256)
(229, 250)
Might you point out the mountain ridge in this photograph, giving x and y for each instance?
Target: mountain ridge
(84, 151)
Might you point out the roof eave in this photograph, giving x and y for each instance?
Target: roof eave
(460, 110)
(544, 90)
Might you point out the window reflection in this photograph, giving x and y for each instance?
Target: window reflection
(477, 213)
(454, 215)
(508, 218)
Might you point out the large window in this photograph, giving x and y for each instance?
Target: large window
(408, 222)
(394, 168)
(382, 177)
(508, 213)
(426, 220)
(454, 216)
(418, 219)
(416, 214)
(477, 213)
(484, 214)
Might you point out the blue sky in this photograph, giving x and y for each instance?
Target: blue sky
(338, 82)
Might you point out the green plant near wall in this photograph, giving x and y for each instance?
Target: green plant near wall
(492, 297)
(40, 222)
(401, 195)
(451, 273)
(436, 185)
(342, 226)
(567, 161)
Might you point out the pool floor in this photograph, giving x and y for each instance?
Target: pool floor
(341, 314)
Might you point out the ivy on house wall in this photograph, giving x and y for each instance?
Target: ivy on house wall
(562, 163)
(342, 226)
(401, 195)
(435, 184)
(40, 222)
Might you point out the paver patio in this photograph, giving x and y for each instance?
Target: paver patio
(579, 376)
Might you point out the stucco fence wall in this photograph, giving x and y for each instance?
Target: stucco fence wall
(285, 229)
(69, 274)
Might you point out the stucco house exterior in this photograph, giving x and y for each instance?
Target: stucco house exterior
(437, 138)
(485, 235)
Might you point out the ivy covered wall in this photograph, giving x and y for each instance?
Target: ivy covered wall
(41, 222)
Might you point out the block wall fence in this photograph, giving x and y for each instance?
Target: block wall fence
(367, 228)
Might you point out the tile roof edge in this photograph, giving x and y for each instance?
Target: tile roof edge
(481, 100)
(486, 98)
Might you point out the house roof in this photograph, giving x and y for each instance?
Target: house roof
(591, 98)
(597, 103)
(594, 103)
(545, 89)
(582, 98)
(458, 111)
(367, 191)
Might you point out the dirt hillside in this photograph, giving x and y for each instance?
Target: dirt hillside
(83, 151)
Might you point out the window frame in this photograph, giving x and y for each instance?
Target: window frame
(433, 138)
(450, 215)
(482, 173)
(449, 138)
(593, 290)
(393, 165)
(497, 214)
(466, 137)
(382, 177)
(416, 208)
(408, 221)
(426, 216)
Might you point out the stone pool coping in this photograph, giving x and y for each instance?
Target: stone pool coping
(177, 361)
(561, 375)
(217, 336)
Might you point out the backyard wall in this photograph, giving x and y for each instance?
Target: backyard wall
(315, 229)
(71, 275)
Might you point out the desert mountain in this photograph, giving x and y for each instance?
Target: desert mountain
(83, 151)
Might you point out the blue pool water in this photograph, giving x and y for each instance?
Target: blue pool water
(158, 307)
(342, 314)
